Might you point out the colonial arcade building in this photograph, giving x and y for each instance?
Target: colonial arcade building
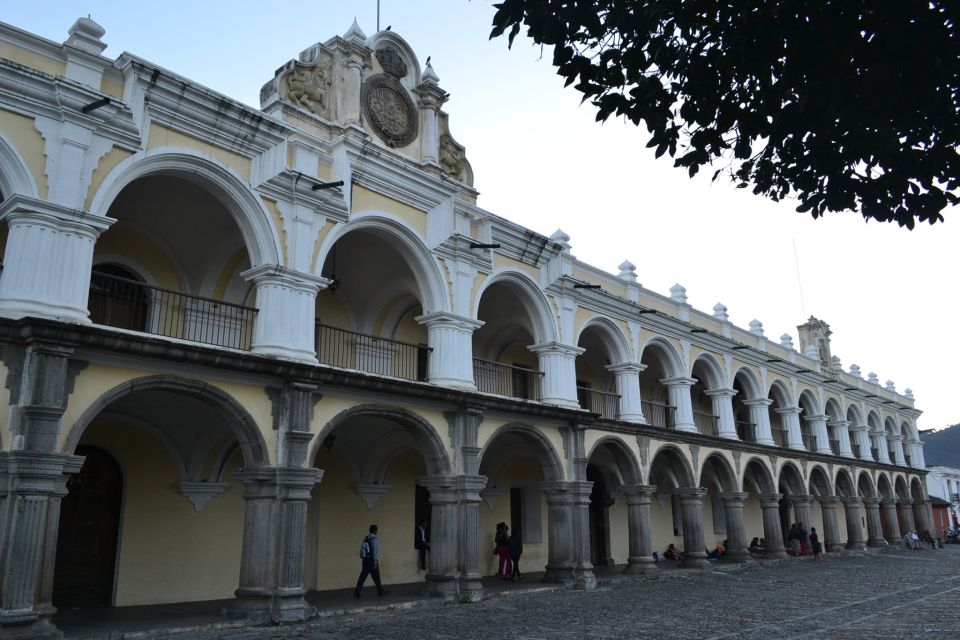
(232, 338)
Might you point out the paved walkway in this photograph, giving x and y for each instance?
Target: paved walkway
(895, 594)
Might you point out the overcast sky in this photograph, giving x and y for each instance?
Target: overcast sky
(889, 295)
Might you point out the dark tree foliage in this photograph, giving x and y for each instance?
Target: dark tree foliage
(846, 105)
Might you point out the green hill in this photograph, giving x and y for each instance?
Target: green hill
(942, 447)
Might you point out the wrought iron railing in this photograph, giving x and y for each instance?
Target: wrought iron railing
(707, 424)
(372, 354)
(906, 460)
(657, 414)
(129, 304)
(835, 447)
(505, 380)
(855, 447)
(604, 403)
(809, 442)
(780, 436)
(746, 431)
(875, 453)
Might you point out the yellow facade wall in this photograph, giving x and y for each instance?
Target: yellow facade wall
(501, 262)
(161, 136)
(535, 554)
(23, 135)
(619, 532)
(32, 59)
(366, 200)
(96, 379)
(169, 552)
(126, 242)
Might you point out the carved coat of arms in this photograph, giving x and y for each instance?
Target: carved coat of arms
(386, 105)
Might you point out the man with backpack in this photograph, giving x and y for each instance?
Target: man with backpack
(370, 559)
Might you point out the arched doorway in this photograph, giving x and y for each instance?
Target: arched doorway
(600, 503)
(89, 529)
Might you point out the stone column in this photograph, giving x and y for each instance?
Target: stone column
(628, 387)
(921, 515)
(851, 507)
(274, 537)
(737, 544)
(468, 494)
(874, 528)
(791, 420)
(691, 512)
(818, 425)
(48, 258)
(842, 429)
(442, 570)
(883, 453)
(906, 510)
(862, 438)
(772, 533)
(889, 509)
(801, 509)
(32, 485)
(760, 416)
(831, 531)
(450, 338)
(558, 364)
(285, 324)
(896, 456)
(678, 390)
(638, 521)
(430, 99)
(723, 408)
(568, 526)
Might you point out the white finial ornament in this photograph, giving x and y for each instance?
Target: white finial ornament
(720, 312)
(628, 271)
(429, 75)
(678, 293)
(561, 238)
(355, 33)
(786, 341)
(756, 327)
(872, 378)
(855, 371)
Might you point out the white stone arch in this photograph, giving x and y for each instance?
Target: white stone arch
(873, 422)
(260, 238)
(612, 337)
(668, 355)
(717, 378)
(620, 464)
(865, 485)
(433, 294)
(809, 403)
(15, 175)
(551, 464)
(535, 303)
(781, 394)
(759, 476)
(675, 463)
(854, 416)
(833, 410)
(751, 385)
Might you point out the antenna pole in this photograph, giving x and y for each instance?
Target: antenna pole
(378, 15)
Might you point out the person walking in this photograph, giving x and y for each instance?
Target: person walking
(502, 549)
(421, 542)
(815, 545)
(370, 562)
(515, 545)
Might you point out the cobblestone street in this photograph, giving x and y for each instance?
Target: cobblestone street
(900, 594)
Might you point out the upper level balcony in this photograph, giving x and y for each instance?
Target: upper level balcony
(506, 380)
(603, 403)
(125, 303)
(371, 354)
(658, 414)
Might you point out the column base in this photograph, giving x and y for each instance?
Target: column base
(42, 629)
(774, 554)
(858, 545)
(443, 586)
(894, 542)
(694, 560)
(585, 580)
(268, 607)
(686, 428)
(471, 590)
(641, 566)
(738, 556)
(876, 542)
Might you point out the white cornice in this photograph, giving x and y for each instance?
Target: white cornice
(33, 93)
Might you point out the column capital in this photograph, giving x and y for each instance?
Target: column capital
(789, 411)
(679, 381)
(804, 500)
(272, 274)
(858, 427)
(734, 497)
(851, 502)
(691, 494)
(20, 209)
(819, 417)
(279, 483)
(770, 500)
(871, 501)
(638, 493)
(449, 320)
(626, 367)
(828, 501)
(559, 492)
(840, 423)
(721, 392)
(889, 502)
(758, 402)
(556, 348)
